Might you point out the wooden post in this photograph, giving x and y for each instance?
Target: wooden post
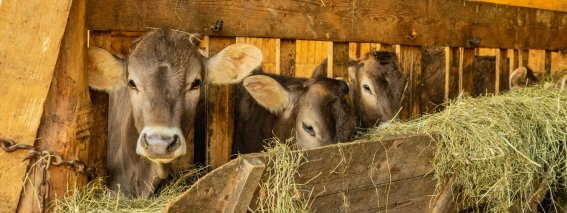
(67, 119)
(220, 112)
(338, 61)
(410, 62)
(31, 34)
(99, 108)
(502, 71)
(452, 58)
(466, 70)
(285, 57)
(547, 66)
(247, 180)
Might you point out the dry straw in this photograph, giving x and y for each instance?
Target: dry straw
(497, 147)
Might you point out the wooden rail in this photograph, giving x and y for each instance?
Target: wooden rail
(414, 22)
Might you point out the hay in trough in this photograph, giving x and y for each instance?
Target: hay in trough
(96, 197)
(498, 149)
(278, 191)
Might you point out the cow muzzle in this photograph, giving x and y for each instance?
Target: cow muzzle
(161, 144)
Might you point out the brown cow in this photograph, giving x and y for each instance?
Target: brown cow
(153, 99)
(377, 84)
(315, 112)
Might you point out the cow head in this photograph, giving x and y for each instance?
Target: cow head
(164, 76)
(319, 110)
(378, 86)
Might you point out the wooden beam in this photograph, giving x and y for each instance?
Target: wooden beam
(502, 71)
(28, 54)
(558, 5)
(410, 62)
(251, 171)
(67, 119)
(452, 58)
(220, 113)
(442, 22)
(285, 57)
(339, 60)
(466, 70)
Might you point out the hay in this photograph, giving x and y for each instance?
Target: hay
(96, 197)
(495, 147)
(278, 191)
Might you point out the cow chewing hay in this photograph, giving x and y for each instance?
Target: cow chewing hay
(498, 149)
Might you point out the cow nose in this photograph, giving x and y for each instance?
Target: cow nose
(161, 145)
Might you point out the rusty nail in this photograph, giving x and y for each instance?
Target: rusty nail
(473, 42)
(218, 25)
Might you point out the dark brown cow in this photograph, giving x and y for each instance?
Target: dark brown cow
(153, 99)
(377, 84)
(315, 112)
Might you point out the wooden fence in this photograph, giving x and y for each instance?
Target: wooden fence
(42, 60)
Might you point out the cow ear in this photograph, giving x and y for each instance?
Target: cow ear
(233, 64)
(320, 71)
(105, 71)
(518, 77)
(267, 92)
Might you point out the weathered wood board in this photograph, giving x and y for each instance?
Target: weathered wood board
(365, 176)
(29, 47)
(557, 5)
(412, 22)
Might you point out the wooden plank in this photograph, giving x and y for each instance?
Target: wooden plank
(285, 57)
(559, 5)
(452, 59)
(67, 119)
(339, 60)
(387, 47)
(393, 174)
(410, 62)
(547, 65)
(444, 203)
(247, 181)
(514, 60)
(466, 70)
(523, 58)
(28, 54)
(441, 22)
(220, 112)
(502, 71)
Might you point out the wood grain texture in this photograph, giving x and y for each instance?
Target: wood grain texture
(559, 5)
(466, 70)
(339, 60)
(410, 62)
(364, 176)
(67, 119)
(502, 71)
(523, 58)
(547, 64)
(452, 58)
(28, 54)
(250, 173)
(435, 22)
(219, 103)
(286, 57)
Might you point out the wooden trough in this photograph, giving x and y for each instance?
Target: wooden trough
(393, 175)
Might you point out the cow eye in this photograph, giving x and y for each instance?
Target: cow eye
(367, 88)
(196, 84)
(309, 129)
(132, 85)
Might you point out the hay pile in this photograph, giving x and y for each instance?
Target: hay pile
(496, 147)
(96, 197)
(278, 190)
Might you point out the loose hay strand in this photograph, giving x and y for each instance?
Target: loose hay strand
(495, 147)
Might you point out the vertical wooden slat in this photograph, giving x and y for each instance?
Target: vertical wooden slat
(410, 62)
(466, 70)
(99, 108)
(31, 33)
(547, 65)
(67, 119)
(339, 60)
(220, 112)
(285, 57)
(452, 59)
(387, 47)
(523, 58)
(514, 59)
(502, 71)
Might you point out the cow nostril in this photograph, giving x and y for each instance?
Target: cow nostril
(174, 144)
(145, 141)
